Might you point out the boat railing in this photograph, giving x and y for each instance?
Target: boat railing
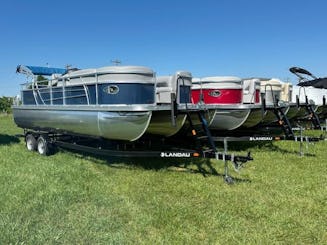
(61, 98)
(298, 96)
(79, 91)
(275, 100)
(36, 92)
(43, 92)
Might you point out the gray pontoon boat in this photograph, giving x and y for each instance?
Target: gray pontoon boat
(114, 102)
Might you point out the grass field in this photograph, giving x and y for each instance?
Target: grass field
(71, 198)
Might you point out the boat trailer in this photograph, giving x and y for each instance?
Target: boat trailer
(45, 144)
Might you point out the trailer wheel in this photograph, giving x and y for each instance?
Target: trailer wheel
(30, 142)
(43, 145)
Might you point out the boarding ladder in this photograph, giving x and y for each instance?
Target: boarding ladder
(282, 119)
(203, 134)
(198, 137)
(203, 137)
(313, 117)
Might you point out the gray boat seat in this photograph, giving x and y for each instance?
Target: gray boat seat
(164, 89)
(166, 85)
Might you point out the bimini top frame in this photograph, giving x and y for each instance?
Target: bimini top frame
(304, 81)
(39, 70)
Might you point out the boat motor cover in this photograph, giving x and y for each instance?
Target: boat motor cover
(316, 83)
(39, 70)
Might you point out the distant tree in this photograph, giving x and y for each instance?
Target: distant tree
(5, 104)
(41, 78)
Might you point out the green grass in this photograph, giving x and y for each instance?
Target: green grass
(279, 198)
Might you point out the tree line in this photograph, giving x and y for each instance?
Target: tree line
(5, 104)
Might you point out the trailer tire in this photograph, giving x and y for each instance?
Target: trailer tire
(30, 141)
(43, 145)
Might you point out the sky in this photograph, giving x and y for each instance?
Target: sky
(208, 37)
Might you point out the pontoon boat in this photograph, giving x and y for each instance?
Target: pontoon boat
(225, 96)
(114, 102)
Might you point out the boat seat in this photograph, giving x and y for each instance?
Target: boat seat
(166, 85)
(163, 94)
(251, 86)
(164, 89)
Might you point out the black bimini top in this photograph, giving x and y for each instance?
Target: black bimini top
(305, 82)
(316, 83)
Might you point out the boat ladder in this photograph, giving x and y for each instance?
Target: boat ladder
(202, 135)
(313, 117)
(283, 121)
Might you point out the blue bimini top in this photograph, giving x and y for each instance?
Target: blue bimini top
(39, 70)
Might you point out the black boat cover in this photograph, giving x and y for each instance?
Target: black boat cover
(316, 83)
(305, 82)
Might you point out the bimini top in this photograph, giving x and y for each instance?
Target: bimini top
(39, 70)
(316, 83)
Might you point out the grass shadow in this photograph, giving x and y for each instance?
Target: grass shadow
(6, 139)
(261, 145)
(244, 145)
(284, 151)
(201, 166)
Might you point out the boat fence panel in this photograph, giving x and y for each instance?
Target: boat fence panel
(108, 93)
(75, 95)
(130, 93)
